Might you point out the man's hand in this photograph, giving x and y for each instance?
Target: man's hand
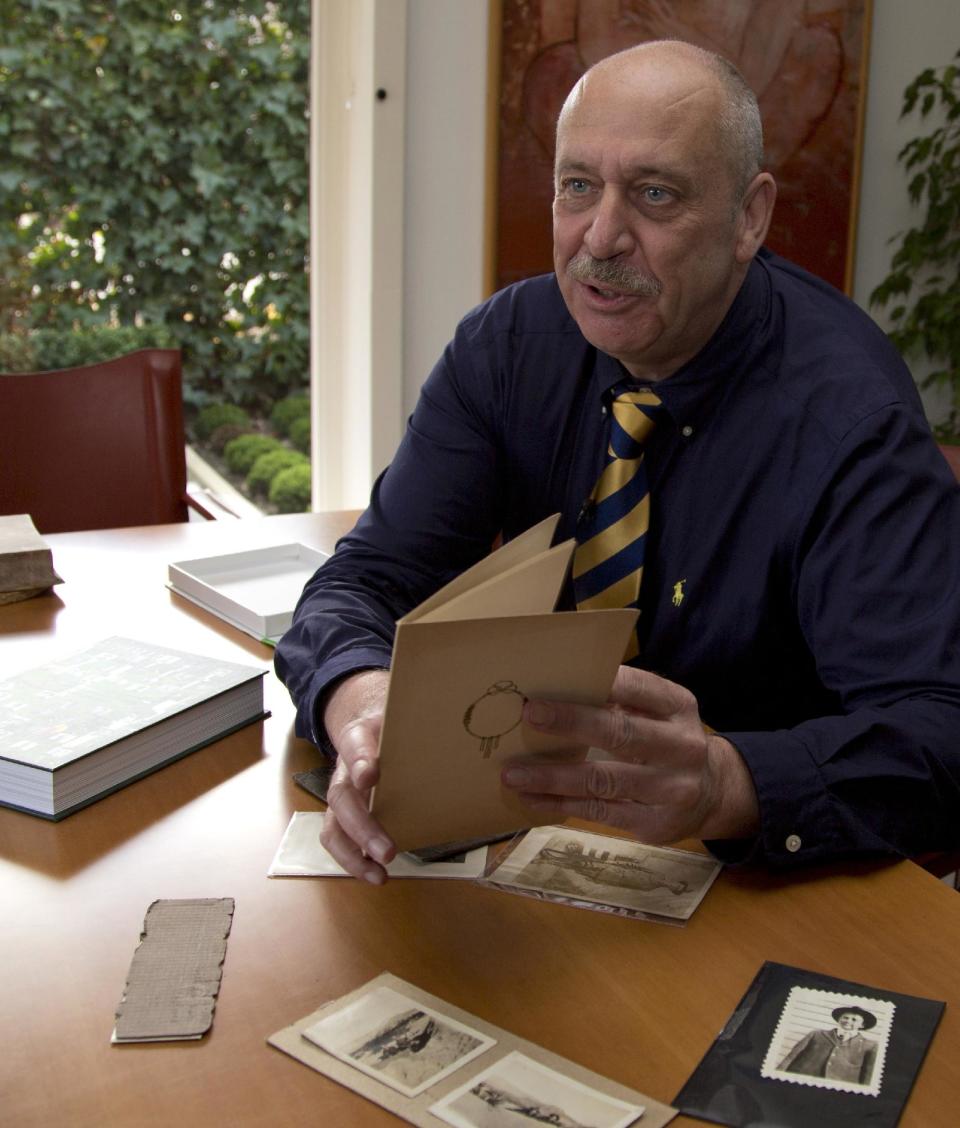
(353, 716)
(664, 779)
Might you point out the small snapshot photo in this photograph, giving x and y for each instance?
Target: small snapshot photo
(831, 1041)
(518, 1092)
(563, 863)
(397, 1040)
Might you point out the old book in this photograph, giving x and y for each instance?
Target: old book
(463, 664)
(75, 729)
(26, 562)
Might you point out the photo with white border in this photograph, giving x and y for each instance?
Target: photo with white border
(517, 1091)
(564, 863)
(831, 1040)
(397, 1040)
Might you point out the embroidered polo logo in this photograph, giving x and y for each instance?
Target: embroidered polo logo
(678, 593)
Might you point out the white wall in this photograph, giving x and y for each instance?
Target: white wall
(445, 177)
(906, 38)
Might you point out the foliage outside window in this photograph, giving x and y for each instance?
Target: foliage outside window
(155, 175)
(924, 278)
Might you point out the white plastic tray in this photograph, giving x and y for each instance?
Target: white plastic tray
(255, 590)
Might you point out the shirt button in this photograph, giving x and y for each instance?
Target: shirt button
(793, 843)
(686, 431)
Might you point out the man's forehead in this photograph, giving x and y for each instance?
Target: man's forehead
(627, 96)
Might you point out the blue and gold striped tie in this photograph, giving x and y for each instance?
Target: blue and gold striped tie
(608, 562)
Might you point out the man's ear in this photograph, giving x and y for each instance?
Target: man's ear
(756, 211)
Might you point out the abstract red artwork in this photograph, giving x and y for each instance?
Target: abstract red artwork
(804, 59)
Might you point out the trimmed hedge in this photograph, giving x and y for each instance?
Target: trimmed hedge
(241, 453)
(290, 490)
(300, 433)
(287, 411)
(215, 415)
(269, 465)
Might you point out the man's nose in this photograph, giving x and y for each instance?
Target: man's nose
(609, 232)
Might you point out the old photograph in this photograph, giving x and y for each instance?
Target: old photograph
(397, 1040)
(831, 1041)
(570, 864)
(518, 1092)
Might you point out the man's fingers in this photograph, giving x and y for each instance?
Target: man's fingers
(650, 694)
(605, 780)
(357, 750)
(351, 812)
(348, 854)
(630, 736)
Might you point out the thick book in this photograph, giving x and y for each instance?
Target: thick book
(77, 728)
(463, 664)
(26, 562)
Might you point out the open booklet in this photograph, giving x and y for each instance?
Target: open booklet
(463, 664)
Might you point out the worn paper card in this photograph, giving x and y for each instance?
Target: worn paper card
(371, 1041)
(300, 854)
(174, 977)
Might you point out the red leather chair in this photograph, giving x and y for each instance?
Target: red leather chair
(96, 447)
(952, 455)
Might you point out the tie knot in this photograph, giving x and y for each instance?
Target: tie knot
(634, 414)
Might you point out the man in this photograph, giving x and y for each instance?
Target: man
(840, 1054)
(797, 692)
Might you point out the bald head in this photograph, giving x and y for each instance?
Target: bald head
(680, 72)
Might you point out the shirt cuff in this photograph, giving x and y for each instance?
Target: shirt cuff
(798, 818)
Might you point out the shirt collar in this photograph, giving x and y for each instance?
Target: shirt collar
(691, 394)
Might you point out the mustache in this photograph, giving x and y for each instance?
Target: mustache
(617, 275)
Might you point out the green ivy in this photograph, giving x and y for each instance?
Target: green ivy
(154, 166)
(923, 286)
(54, 348)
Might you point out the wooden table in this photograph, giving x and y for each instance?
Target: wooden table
(634, 1001)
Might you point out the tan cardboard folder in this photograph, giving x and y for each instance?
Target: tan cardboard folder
(463, 664)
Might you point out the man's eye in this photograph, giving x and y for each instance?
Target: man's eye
(576, 186)
(655, 194)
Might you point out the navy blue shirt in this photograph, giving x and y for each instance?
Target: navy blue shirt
(798, 505)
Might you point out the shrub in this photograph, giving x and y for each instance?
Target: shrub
(225, 433)
(43, 349)
(287, 411)
(269, 465)
(16, 353)
(241, 453)
(215, 415)
(300, 433)
(290, 490)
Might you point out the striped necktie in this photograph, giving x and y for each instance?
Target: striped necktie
(608, 562)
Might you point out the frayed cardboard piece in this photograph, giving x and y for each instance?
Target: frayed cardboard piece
(175, 972)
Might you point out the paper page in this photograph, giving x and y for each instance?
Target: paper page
(453, 715)
(531, 543)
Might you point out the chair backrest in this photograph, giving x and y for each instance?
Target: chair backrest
(95, 447)
(952, 455)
